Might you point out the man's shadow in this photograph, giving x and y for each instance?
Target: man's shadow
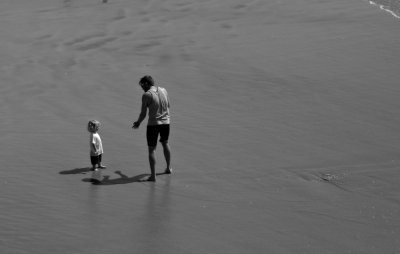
(98, 179)
(123, 179)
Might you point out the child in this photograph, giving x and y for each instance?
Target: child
(96, 147)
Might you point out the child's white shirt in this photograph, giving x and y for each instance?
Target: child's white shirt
(96, 141)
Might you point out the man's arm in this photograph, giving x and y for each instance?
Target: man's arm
(167, 97)
(169, 105)
(143, 113)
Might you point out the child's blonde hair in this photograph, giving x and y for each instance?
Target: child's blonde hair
(93, 126)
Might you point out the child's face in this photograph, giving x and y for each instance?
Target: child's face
(91, 128)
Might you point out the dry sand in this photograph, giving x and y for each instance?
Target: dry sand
(285, 131)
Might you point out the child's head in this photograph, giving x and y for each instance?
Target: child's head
(93, 126)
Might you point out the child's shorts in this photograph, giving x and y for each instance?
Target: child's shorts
(95, 159)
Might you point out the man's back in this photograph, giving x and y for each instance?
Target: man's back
(157, 102)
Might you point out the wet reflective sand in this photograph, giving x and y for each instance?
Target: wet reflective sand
(284, 137)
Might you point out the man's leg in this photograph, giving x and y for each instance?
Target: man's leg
(152, 135)
(167, 155)
(164, 135)
(152, 160)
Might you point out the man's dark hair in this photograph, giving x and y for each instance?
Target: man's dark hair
(146, 80)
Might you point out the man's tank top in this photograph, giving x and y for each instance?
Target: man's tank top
(158, 106)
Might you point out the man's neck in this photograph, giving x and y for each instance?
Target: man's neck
(150, 88)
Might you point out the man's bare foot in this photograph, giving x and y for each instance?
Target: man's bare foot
(168, 171)
(150, 179)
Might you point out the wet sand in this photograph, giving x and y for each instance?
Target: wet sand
(285, 127)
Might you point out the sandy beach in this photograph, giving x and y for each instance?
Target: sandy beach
(285, 127)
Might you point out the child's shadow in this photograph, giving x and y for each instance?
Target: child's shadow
(123, 179)
(76, 171)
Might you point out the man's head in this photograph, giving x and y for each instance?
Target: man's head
(146, 82)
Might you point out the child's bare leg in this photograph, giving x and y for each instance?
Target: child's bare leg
(93, 162)
(100, 164)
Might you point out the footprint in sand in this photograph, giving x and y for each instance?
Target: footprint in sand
(83, 39)
(89, 42)
(121, 14)
(229, 29)
(95, 44)
(147, 46)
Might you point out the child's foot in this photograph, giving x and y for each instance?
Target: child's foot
(102, 166)
(168, 171)
(93, 168)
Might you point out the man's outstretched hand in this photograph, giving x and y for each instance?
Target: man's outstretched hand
(135, 125)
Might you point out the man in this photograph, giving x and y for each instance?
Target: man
(156, 101)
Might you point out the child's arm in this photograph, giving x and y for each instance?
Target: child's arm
(93, 144)
(94, 147)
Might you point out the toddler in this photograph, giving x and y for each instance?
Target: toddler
(96, 147)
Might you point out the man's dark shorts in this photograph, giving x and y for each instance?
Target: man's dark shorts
(153, 131)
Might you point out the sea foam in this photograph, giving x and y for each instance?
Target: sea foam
(391, 6)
